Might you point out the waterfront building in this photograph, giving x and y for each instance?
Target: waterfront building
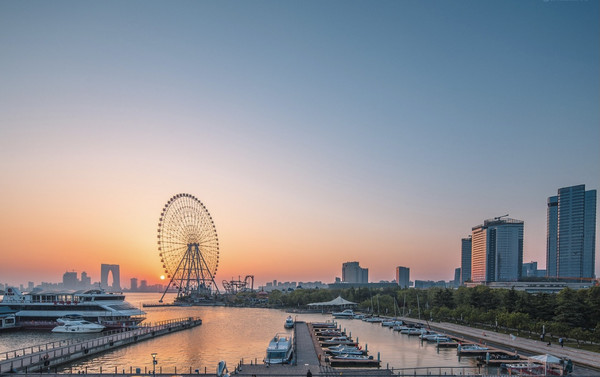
(465, 259)
(403, 276)
(353, 273)
(571, 233)
(497, 250)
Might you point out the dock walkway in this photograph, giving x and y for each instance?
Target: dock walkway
(43, 357)
(578, 356)
(305, 359)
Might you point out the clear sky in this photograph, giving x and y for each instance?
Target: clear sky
(315, 132)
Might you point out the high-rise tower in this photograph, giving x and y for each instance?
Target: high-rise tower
(571, 233)
(497, 250)
(465, 258)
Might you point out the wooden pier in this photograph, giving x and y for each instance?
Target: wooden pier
(46, 356)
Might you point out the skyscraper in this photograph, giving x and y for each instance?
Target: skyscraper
(403, 276)
(353, 273)
(465, 259)
(571, 233)
(70, 280)
(497, 250)
(134, 284)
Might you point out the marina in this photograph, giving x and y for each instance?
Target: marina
(240, 336)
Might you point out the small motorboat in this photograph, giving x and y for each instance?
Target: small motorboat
(339, 340)
(345, 350)
(289, 322)
(352, 357)
(414, 331)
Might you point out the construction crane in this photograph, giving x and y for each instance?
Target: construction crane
(500, 217)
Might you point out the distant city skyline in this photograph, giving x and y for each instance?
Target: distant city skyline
(315, 132)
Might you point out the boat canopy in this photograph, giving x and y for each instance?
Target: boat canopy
(338, 302)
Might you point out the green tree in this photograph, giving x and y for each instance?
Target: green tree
(570, 309)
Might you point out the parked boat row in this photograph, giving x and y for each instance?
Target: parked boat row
(341, 350)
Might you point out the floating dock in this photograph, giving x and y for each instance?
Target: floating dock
(308, 355)
(43, 357)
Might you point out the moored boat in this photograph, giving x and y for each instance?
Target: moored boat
(289, 322)
(339, 340)
(348, 313)
(345, 349)
(352, 357)
(279, 350)
(72, 325)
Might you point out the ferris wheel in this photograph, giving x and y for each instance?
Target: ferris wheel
(188, 247)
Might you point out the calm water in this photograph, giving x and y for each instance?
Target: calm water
(231, 334)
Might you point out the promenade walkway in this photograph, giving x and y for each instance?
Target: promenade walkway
(536, 347)
(47, 356)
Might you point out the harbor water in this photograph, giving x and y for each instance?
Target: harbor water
(233, 334)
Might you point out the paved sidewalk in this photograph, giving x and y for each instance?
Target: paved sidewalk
(582, 357)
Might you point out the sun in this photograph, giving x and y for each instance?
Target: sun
(162, 277)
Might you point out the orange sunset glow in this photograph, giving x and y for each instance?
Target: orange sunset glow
(314, 134)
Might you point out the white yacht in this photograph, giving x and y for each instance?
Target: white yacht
(40, 309)
(348, 313)
(279, 350)
(71, 324)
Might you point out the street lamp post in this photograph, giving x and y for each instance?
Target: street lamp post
(154, 361)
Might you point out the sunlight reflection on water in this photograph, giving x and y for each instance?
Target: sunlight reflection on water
(231, 334)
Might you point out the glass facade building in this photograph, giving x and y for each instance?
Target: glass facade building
(497, 250)
(465, 259)
(571, 233)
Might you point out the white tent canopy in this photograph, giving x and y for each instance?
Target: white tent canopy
(338, 301)
(547, 359)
